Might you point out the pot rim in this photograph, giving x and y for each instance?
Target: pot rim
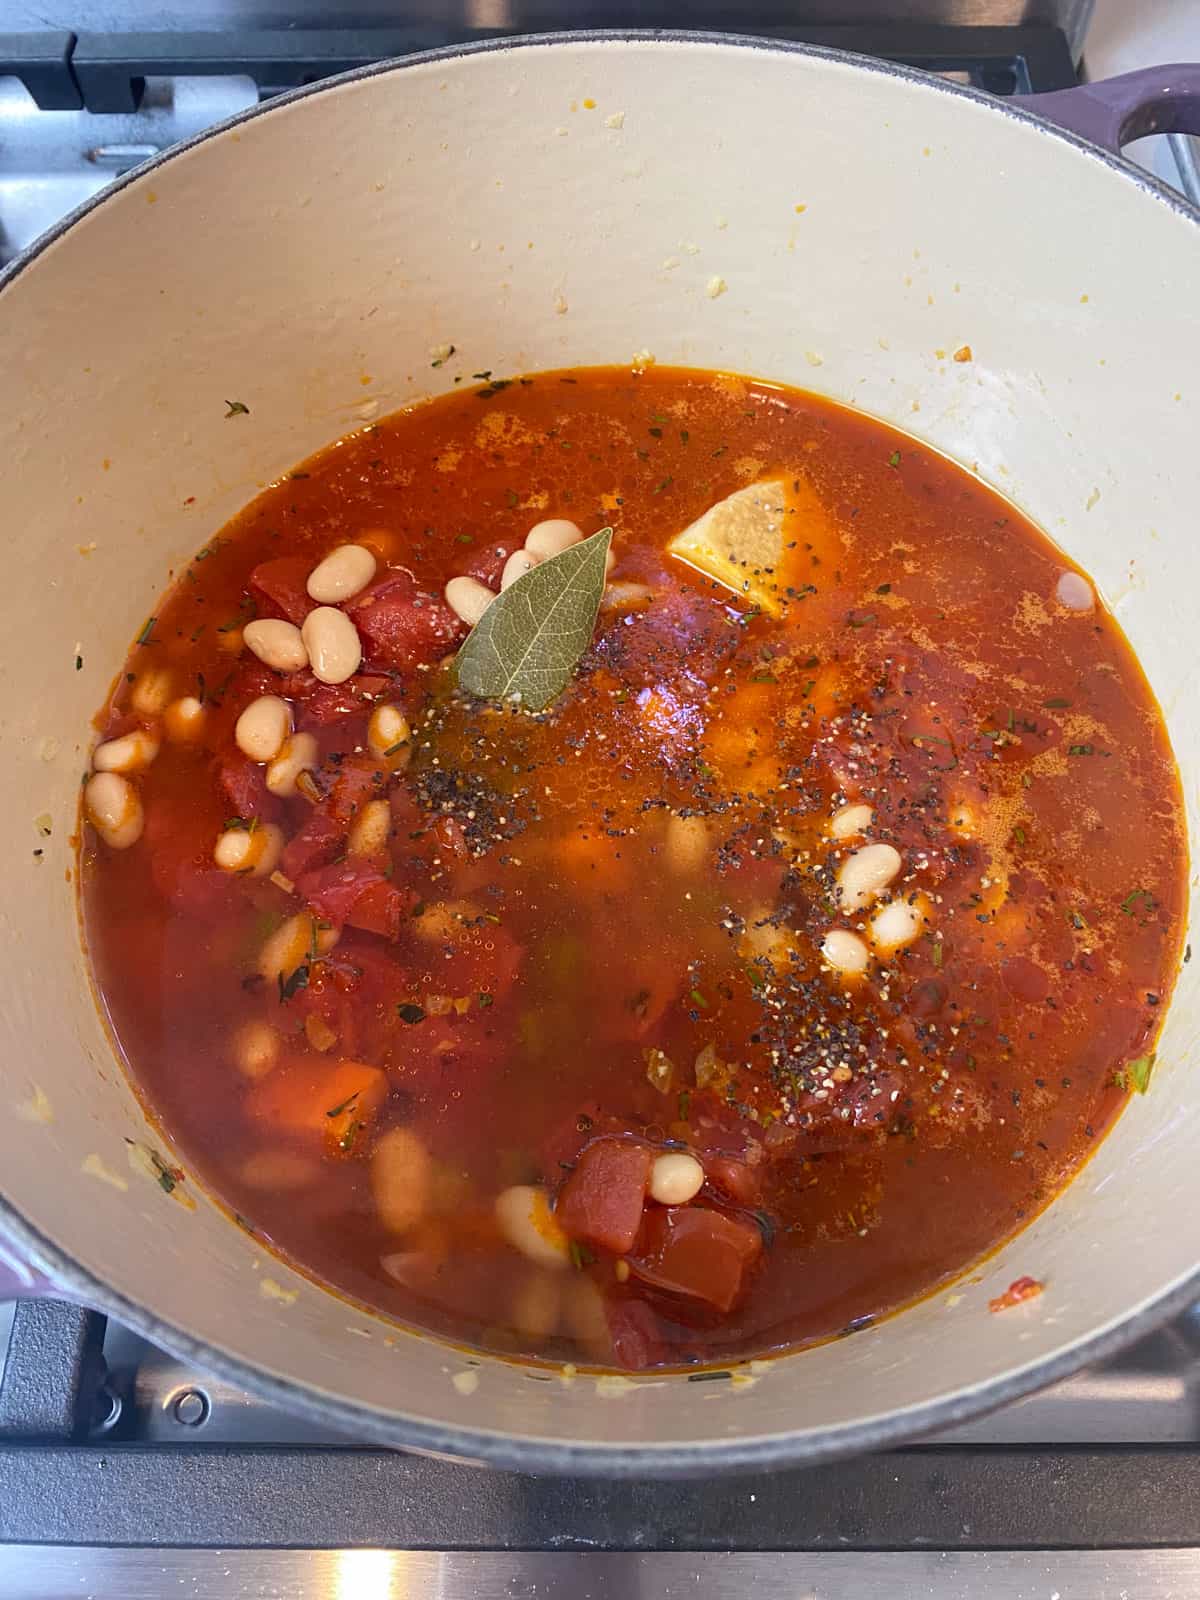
(529, 1453)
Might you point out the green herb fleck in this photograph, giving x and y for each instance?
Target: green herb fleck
(297, 981)
(78, 663)
(1131, 900)
(336, 1111)
(346, 1142)
(1056, 704)
(146, 635)
(937, 952)
(442, 360)
(698, 999)
(410, 1013)
(486, 1000)
(236, 409)
(581, 1256)
(665, 484)
(1019, 835)
(894, 459)
(1081, 750)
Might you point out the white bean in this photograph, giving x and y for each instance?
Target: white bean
(468, 599)
(370, 830)
(583, 1310)
(130, 753)
(299, 754)
(256, 1047)
(401, 1179)
(151, 693)
(334, 648)
(517, 565)
(1075, 592)
(263, 728)
(529, 1225)
(896, 924)
(552, 537)
(114, 809)
(254, 851)
(675, 1178)
(627, 596)
(389, 735)
(687, 843)
(537, 1305)
(864, 875)
(280, 644)
(845, 951)
(344, 573)
(291, 945)
(850, 820)
(184, 720)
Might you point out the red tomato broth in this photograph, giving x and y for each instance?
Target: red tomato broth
(921, 665)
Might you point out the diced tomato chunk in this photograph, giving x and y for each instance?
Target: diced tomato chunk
(244, 786)
(319, 704)
(402, 627)
(487, 564)
(601, 1202)
(637, 1340)
(282, 586)
(357, 893)
(690, 1250)
(324, 830)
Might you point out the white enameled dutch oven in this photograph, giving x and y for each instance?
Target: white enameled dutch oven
(790, 213)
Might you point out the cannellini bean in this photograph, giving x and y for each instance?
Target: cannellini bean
(845, 951)
(675, 1178)
(280, 1170)
(114, 809)
(279, 644)
(865, 874)
(468, 599)
(263, 727)
(184, 720)
(291, 945)
(254, 851)
(687, 843)
(850, 820)
(537, 1305)
(389, 735)
(370, 830)
(517, 565)
(1075, 592)
(334, 648)
(552, 537)
(256, 1047)
(529, 1225)
(300, 754)
(344, 573)
(152, 692)
(401, 1174)
(896, 924)
(583, 1310)
(130, 753)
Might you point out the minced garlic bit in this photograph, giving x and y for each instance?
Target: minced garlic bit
(715, 287)
(643, 359)
(616, 120)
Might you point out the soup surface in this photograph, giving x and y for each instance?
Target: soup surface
(790, 959)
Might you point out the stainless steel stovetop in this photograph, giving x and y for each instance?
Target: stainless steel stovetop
(125, 1472)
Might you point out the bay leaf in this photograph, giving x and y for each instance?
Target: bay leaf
(530, 639)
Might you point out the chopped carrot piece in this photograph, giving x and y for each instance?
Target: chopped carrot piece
(331, 1101)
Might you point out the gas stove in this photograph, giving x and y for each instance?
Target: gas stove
(124, 1471)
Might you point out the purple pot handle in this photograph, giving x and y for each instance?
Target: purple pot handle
(1115, 110)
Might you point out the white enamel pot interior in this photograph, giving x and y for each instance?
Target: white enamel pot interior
(786, 213)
